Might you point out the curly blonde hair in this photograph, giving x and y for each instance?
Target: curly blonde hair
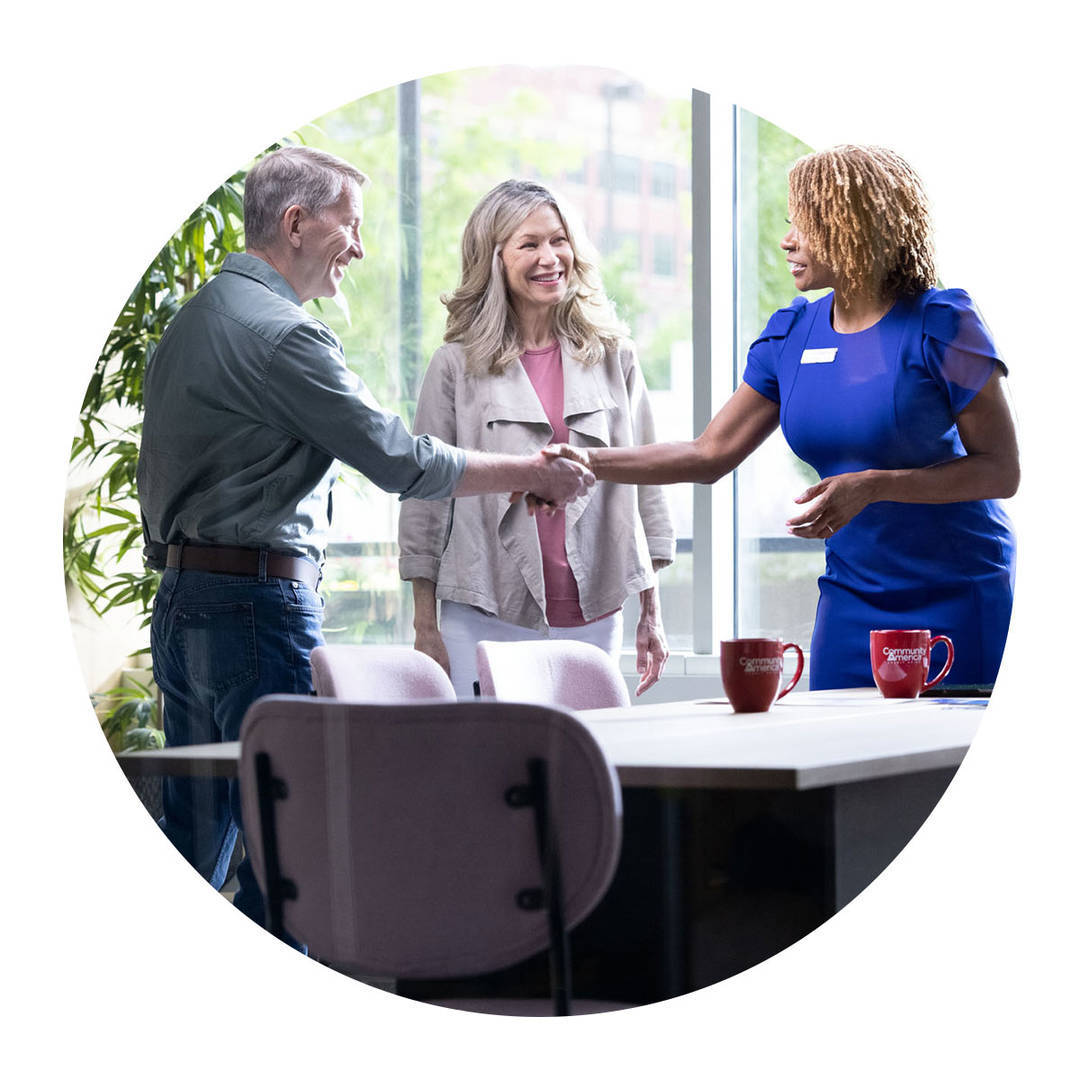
(865, 215)
(479, 313)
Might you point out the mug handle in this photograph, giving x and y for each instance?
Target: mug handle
(799, 666)
(948, 659)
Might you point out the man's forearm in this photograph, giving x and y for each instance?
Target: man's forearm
(487, 474)
(553, 479)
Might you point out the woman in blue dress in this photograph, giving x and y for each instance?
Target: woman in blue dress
(892, 389)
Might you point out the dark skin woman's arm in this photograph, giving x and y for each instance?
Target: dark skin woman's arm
(746, 420)
(991, 470)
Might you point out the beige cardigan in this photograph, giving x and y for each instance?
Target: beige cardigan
(484, 551)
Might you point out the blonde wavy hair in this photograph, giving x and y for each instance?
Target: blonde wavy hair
(865, 215)
(479, 313)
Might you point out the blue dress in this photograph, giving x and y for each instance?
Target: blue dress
(887, 398)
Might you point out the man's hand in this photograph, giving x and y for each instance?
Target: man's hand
(553, 455)
(560, 480)
(552, 479)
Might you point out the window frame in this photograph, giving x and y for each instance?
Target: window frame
(715, 270)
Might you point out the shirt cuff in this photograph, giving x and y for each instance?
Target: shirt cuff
(442, 470)
(418, 566)
(661, 549)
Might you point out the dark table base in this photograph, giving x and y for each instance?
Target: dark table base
(711, 883)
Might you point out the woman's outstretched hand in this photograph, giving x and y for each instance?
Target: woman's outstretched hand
(574, 453)
(533, 503)
(833, 502)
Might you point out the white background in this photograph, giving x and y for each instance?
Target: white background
(118, 118)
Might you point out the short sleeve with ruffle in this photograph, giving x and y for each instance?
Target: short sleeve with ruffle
(959, 352)
(762, 357)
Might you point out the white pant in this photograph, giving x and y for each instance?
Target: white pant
(462, 626)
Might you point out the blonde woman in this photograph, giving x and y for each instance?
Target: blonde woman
(892, 389)
(534, 355)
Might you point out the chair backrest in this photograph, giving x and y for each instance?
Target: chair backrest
(398, 831)
(567, 674)
(378, 673)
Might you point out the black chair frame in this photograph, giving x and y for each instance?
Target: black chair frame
(535, 793)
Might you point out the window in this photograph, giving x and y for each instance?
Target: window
(736, 569)
(625, 246)
(663, 255)
(663, 180)
(577, 175)
(432, 149)
(775, 574)
(626, 174)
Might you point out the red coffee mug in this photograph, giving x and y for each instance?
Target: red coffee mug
(900, 661)
(751, 669)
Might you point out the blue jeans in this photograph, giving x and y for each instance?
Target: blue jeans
(219, 642)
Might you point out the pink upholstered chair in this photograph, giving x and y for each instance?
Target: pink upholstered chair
(378, 673)
(569, 674)
(429, 840)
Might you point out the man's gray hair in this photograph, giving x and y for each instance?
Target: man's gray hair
(292, 176)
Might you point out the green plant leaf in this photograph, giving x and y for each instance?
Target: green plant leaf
(143, 738)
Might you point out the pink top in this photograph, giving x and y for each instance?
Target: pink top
(544, 368)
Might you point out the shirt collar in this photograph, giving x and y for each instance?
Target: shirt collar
(240, 262)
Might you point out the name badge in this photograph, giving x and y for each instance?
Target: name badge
(818, 356)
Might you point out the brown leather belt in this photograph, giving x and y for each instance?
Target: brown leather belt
(245, 561)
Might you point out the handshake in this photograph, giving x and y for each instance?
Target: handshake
(563, 475)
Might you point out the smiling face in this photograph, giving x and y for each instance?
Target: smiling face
(537, 260)
(328, 242)
(806, 271)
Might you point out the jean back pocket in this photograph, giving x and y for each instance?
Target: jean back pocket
(217, 645)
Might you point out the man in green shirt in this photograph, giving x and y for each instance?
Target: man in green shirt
(249, 406)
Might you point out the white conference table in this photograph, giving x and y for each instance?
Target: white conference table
(807, 740)
(742, 832)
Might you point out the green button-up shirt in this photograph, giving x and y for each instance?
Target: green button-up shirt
(248, 405)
